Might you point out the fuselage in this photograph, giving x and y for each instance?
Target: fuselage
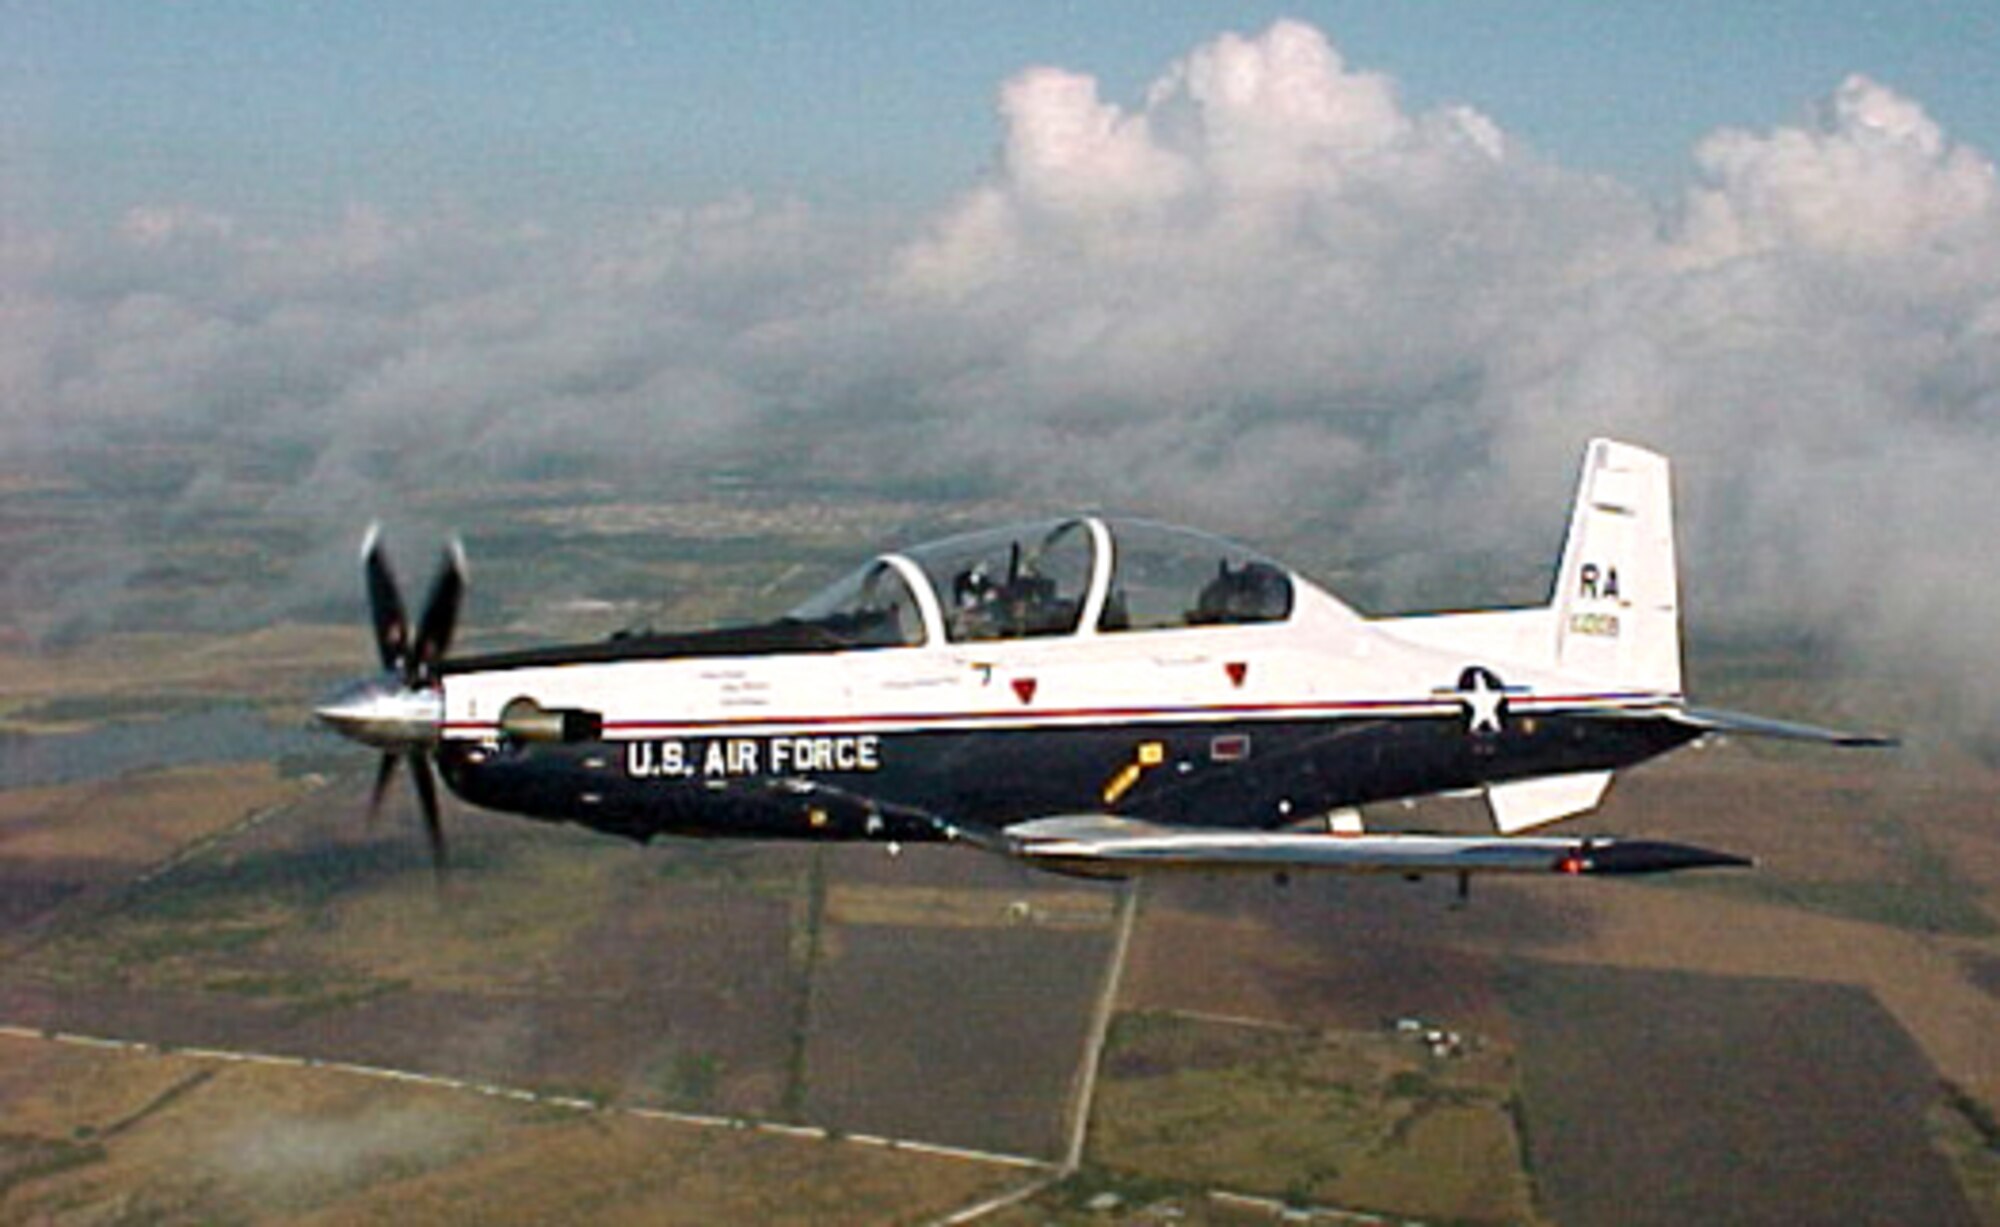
(1073, 667)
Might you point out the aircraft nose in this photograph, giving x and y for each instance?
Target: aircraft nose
(381, 712)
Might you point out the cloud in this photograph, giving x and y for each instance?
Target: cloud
(1404, 325)
(1266, 294)
(1875, 177)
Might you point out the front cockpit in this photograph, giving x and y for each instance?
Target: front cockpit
(1083, 575)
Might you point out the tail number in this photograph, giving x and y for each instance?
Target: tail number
(1603, 625)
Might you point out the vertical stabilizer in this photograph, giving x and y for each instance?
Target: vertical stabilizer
(1617, 597)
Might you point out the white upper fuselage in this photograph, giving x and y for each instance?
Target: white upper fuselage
(1319, 659)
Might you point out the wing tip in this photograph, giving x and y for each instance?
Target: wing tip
(1640, 856)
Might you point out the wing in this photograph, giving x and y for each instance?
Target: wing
(1094, 845)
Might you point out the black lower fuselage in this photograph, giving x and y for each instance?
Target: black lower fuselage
(894, 785)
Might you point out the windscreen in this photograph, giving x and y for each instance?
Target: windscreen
(870, 606)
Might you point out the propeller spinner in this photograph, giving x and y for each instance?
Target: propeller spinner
(399, 713)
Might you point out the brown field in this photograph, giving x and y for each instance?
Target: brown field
(1922, 981)
(550, 954)
(940, 907)
(1323, 953)
(133, 823)
(1909, 845)
(1877, 887)
(931, 1004)
(262, 665)
(964, 1019)
(969, 1037)
(688, 975)
(1672, 1098)
(74, 846)
(94, 1136)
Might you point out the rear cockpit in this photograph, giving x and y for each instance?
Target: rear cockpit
(1166, 577)
(1052, 578)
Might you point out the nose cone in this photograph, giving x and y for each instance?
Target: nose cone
(385, 713)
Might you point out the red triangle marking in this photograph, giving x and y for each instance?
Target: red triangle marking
(1025, 687)
(1237, 670)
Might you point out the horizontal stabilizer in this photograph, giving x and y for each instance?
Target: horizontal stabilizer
(1714, 720)
(1103, 846)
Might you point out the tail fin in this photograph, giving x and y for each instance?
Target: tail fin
(1616, 598)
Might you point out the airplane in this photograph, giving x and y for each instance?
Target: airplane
(1092, 695)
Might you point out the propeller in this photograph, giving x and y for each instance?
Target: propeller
(400, 712)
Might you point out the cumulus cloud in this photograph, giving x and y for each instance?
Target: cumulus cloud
(1402, 325)
(1266, 294)
(1874, 177)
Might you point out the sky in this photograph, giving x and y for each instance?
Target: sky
(528, 109)
(1365, 275)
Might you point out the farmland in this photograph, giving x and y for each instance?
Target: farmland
(162, 1137)
(1808, 1100)
(185, 868)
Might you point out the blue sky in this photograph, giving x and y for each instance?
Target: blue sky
(533, 109)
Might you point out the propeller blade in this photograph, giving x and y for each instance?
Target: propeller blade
(385, 605)
(402, 716)
(383, 775)
(420, 771)
(440, 614)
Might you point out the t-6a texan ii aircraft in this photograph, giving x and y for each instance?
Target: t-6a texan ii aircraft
(1092, 695)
